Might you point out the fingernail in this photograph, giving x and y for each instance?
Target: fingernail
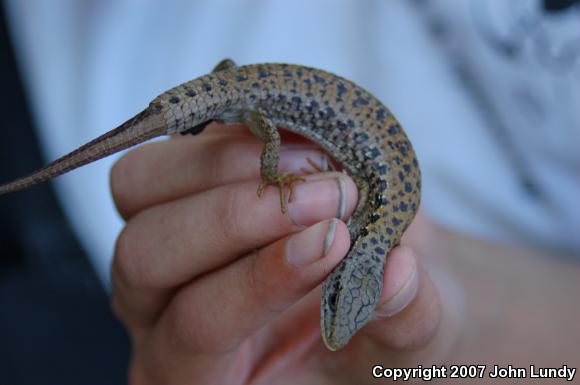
(311, 245)
(401, 298)
(322, 196)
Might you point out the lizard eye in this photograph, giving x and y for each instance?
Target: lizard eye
(333, 301)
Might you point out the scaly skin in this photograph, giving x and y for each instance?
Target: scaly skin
(349, 123)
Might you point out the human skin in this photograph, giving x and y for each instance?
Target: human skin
(217, 286)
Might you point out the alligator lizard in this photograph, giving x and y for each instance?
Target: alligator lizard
(355, 128)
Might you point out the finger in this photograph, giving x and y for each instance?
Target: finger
(170, 244)
(164, 171)
(216, 312)
(409, 311)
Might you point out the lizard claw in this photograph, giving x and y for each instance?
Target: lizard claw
(323, 166)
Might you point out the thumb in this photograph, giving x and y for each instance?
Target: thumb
(409, 310)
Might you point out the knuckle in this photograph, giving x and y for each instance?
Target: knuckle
(127, 262)
(230, 216)
(220, 162)
(117, 178)
(261, 290)
(257, 286)
(404, 339)
(119, 309)
(116, 306)
(414, 327)
(195, 331)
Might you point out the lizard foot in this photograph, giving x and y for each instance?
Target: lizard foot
(323, 166)
(281, 181)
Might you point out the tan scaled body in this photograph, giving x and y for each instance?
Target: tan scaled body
(356, 130)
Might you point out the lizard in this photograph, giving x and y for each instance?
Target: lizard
(348, 122)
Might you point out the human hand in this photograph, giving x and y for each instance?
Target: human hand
(217, 286)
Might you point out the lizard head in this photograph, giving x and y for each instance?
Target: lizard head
(349, 297)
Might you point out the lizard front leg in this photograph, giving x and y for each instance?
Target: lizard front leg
(265, 130)
(225, 64)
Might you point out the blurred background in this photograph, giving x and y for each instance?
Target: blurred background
(487, 90)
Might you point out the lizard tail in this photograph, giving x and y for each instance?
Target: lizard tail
(144, 126)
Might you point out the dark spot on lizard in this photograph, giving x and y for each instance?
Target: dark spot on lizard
(381, 113)
(340, 90)
(314, 105)
(319, 79)
(156, 107)
(408, 187)
(360, 102)
(395, 221)
(190, 93)
(382, 185)
(403, 206)
(393, 129)
(380, 251)
(174, 100)
(378, 199)
(263, 74)
(374, 152)
(403, 149)
(241, 78)
(207, 87)
(330, 112)
(361, 137)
